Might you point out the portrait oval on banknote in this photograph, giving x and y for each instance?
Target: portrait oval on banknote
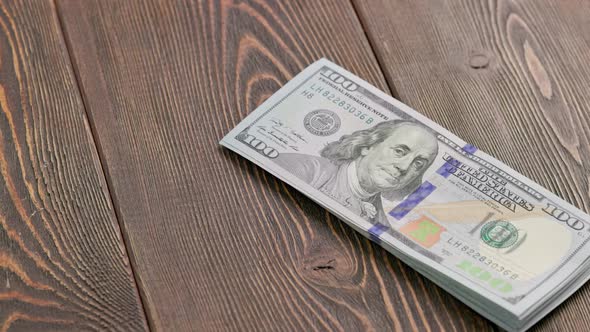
(322, 122)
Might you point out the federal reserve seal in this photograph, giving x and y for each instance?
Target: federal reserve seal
(322, 122)
(499, 234)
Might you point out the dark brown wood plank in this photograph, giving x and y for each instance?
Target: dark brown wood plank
(510, 77)
(63, 265)
(217, 243)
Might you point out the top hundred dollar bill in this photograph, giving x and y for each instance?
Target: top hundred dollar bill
(410, 184)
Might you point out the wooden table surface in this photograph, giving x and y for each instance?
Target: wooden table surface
(119, 210)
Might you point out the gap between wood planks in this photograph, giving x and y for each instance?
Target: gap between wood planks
(380, 64)
(91, 127)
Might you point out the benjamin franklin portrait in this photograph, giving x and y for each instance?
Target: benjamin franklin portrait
(387, 160)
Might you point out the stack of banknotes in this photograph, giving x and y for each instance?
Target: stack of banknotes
(493, 238)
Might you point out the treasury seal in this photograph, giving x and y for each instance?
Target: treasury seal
(321, 122)
(499, 234)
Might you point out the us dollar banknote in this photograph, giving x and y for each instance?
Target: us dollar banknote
(497, 240)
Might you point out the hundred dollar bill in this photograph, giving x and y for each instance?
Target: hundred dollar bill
(495, 239)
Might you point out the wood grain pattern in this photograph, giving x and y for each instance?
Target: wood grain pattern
(510, 77)
(62, 261)
(217, 243)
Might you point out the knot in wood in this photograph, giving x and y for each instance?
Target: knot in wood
(328, 266)
(479, 61)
